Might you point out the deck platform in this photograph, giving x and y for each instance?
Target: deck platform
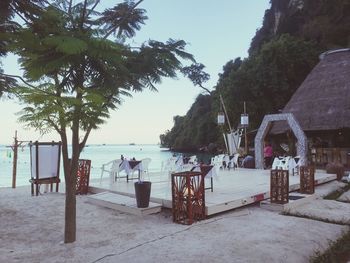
(232, 189)
(123, 203)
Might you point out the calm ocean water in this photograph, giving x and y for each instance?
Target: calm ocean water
(98, 154)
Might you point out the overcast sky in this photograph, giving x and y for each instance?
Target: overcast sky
(216, 32)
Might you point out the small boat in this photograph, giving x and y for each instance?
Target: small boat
(132, 143)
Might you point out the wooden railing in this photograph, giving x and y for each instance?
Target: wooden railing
(322, 156)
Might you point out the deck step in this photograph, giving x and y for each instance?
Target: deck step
(122, 203)
(295, 199)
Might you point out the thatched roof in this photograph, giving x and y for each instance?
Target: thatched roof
(322, 102)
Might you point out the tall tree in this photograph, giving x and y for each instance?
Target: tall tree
(25, 10)
(77, 75)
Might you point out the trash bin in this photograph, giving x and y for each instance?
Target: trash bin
(83, 177)
(142, 193)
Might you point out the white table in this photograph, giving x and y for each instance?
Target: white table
(130, 166)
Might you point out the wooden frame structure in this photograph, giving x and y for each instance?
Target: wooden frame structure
(45, 164)
(307, 179)
(279, 186)
(188, 197)
(83, 177)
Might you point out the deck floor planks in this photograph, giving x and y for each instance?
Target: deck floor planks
(232, 189)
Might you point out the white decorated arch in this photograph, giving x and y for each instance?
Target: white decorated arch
(264, 129)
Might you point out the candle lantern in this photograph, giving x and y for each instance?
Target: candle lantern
(244, 120)
(221, 118)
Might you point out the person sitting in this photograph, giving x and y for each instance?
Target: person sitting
(248, 162)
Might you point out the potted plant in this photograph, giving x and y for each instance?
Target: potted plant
(142, 193)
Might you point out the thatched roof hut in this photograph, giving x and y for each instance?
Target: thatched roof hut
(321, 104)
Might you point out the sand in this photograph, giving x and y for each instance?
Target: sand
(31, 230)
(324, 210)
(345, 197)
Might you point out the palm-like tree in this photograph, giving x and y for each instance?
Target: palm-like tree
(75, 75)
(8, 9)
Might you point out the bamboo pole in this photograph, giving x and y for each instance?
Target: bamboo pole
(15, 156)
(228, 120)
(229, 125)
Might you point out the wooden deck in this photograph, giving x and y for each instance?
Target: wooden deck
(232, 189)
(122, 203)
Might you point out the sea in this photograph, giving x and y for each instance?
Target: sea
(98, 154)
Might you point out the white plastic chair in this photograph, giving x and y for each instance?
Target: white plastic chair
(235, 160)
(169, 165)
(221, 160)
(113, 170)
(296, 164)
(193, 160)
(280, 163)
(145, 163)
(186, 167)
(217, 162)
(228, 162)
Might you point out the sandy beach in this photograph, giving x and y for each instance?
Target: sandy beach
(32, 231)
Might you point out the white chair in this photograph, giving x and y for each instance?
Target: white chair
(145, 164)
(221, 160)
(235, 160)
(295, 164)
(281, 163)
(186, 167)
(193, 160)
(112, 168)
(169, 165)
(217, 162)
(231, 161)
(227, 162)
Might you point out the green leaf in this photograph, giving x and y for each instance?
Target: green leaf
(66, 44)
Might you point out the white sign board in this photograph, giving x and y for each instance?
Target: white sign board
(48, 157)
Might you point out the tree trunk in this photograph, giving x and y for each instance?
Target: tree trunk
(70, 211)
(71, 169)
(70, 204)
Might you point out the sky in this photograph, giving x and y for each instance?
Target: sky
(215, 32)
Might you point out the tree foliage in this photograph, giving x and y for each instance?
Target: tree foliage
(197, 75)
(325, 21)
(76, 75)
(267, 80)
(197, 128)
(8, 9)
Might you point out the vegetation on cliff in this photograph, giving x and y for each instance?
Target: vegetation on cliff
(282, 53)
